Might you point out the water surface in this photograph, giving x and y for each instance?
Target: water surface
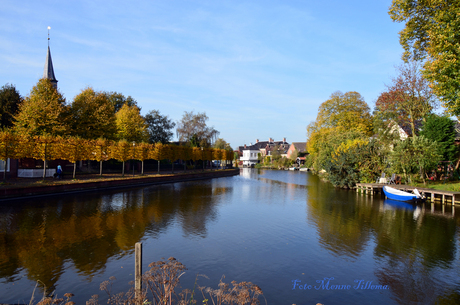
(281, 230)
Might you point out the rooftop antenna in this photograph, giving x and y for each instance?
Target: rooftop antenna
(49, 28)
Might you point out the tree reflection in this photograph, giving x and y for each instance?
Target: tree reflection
(414, 249)
(88, 229)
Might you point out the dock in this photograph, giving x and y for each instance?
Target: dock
(430, 194)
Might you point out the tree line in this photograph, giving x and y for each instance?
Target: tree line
(403, 134)
(97, 126)
(73, 149)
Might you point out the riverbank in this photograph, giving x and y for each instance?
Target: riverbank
(26, 187)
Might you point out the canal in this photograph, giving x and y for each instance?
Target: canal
(296, 237)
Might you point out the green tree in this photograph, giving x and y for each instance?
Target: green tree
(9, 105)
(42, 112)
(194, 125)
(275, 153)
(159, 127)
(118, 100)
(431, 34)
(131, 125)
(92, 115)
(442, 130)
(416, 155)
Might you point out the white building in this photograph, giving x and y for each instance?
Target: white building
(250, 155)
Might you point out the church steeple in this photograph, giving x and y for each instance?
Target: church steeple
(49, 71)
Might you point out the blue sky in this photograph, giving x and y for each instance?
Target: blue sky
(258, 69)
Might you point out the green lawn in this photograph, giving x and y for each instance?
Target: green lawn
(452, 186)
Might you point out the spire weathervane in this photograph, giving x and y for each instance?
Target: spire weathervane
(49, 28)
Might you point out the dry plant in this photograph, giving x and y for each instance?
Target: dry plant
(162, 281)
(244, 293)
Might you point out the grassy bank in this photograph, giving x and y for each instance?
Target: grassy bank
(451, 186)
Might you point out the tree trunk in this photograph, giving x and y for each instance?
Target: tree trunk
(4, 170)
(123, 170)
(74, 169)
(173, 167)
(158, 167)
(142, 170)
(44, 169)
(100, 168)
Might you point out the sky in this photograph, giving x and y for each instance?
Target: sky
(258, 69)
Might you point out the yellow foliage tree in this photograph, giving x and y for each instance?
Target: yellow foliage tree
(8, 148)
(100, 151)
(131, 125)
(187, 153)
(76, 149)
(92, 115)
(43, 112)
(121, 151)
(46, 148)
(142, 153)
(160, 152)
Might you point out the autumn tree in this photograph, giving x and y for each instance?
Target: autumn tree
(194, 125)
(409, 98)
(142, 153)
(42, 112)
(130, 124)
(345, 111)
(431, 34)
(118, 100)
(46, 148)
(159, 127)
(222, 144)
(92, 115)
(9, 105)
(159, 153)
(342, 118)
(8, 147)
(121, 151)
(101, 151)
(76, 149)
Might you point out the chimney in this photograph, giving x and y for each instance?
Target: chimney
(244, 146)
(284, 140)
(257, 140)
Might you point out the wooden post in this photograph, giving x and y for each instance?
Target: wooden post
(138, 269)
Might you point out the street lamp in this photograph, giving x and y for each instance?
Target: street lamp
(134, 146)
(202, 159)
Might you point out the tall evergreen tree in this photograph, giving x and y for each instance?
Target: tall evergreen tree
(9, 105)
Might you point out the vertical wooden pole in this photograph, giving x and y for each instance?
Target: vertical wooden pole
(138, 269)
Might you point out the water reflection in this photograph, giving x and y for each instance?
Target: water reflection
(268, 227)
(87, 230)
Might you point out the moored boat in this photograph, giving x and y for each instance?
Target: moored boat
(396, 194)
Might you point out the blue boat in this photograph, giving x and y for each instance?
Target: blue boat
(399, 195)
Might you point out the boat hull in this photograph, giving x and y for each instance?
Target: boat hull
(395, 194)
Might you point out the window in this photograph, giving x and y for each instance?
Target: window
(2, 165)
